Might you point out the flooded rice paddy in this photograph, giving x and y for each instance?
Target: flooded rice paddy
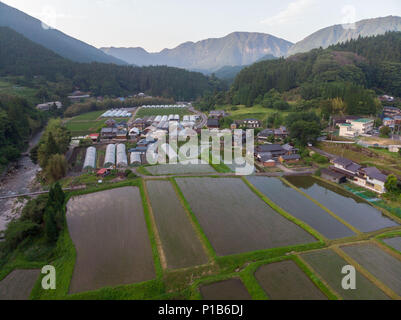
(286, 281)
(235, 219)
(166, 169)
(379, 263)
(328, 265)
(300, 207)
(394, 243)
(356, 212)
(180, 243)
(232, 289)
(110, 235)
(18, 284)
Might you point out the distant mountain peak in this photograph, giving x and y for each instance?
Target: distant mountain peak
(338, 33)
(50, 38)
(234, 49)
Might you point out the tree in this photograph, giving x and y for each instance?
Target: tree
(391, 184)
(385, 132)
(304, 131)
(56, 168)
(51, 231)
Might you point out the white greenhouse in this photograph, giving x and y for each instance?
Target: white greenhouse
(122, 160)
(90, 159)
(110, 159)
(136, 159)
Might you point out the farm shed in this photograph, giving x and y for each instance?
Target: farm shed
(110, 158)
(90, 159)
(333, 176)
(121, 156)
(169, 151)
(136, 159)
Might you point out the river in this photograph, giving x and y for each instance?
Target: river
(17, 180)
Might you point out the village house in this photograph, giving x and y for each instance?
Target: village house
(248, 123)
(371, 178)
(333, 176)
(391, 111)
(108, 133)
(275, 150)
(77, 96)
(346, 166)
(213, 123)
(217, 114)
(289, 158)
(354, 128)
(49, 105)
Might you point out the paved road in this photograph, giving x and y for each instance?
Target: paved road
(203, 123)
(324, 153)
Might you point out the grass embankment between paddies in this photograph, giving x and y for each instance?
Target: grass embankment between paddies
(65, 256)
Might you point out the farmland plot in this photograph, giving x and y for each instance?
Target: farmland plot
(301, 207)
(394, 242)
(356, 212)
(379, 263)
(18, 284)
(232, 289)
(329, 264)
(165, 169)
(286, 281)
(179, 240)
(110, 235)
(236, 220)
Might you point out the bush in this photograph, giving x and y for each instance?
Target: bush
(56, 168)
(18, 230)
(319, 158)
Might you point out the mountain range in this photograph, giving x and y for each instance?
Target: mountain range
(52, 39)
(226, 55)
(342, 33)
(235, 49)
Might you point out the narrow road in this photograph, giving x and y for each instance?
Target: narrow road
(203, 122)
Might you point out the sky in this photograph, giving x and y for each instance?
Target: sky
(158, 24)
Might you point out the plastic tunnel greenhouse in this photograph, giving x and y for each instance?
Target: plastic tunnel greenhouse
(90, 159)
(110, 158)
(122, 160)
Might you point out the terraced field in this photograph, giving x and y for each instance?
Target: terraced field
(180, 243)
(328, 266)
(286, 281)
(169, 169)
(111, 238)
(301, 207)
(379, 263)
(353, 210)
(235, 219)
(394, 243)
(18, 284)
(232, 289)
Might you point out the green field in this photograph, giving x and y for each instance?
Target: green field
(146, 112)
(23, 92)
(257, 112)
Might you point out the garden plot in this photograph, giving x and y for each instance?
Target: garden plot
(329, 264)
(379, 263)
(110, 235)
(232, 289)
(18, 284)
(394, 243)
(356, 212)
(301, 207)
(286, 281)
(166, 169)
(180, 243)
(235, 219)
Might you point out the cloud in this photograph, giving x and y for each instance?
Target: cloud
(293, 11)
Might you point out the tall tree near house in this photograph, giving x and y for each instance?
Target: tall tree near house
(391, 184)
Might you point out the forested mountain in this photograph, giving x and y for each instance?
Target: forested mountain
(52, 39)
(21, 57)
(343, 71)
(342, 33)
(236, 49)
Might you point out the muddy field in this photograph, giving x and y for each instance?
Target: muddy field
(110, 235)
(356, 212)
(180, 243)
(394, 242)
(232, 289)
(379, 263)
(236, 220)
(18, 284)
(301, 207)
(286, 281)
(329, 264)
(165, 169)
